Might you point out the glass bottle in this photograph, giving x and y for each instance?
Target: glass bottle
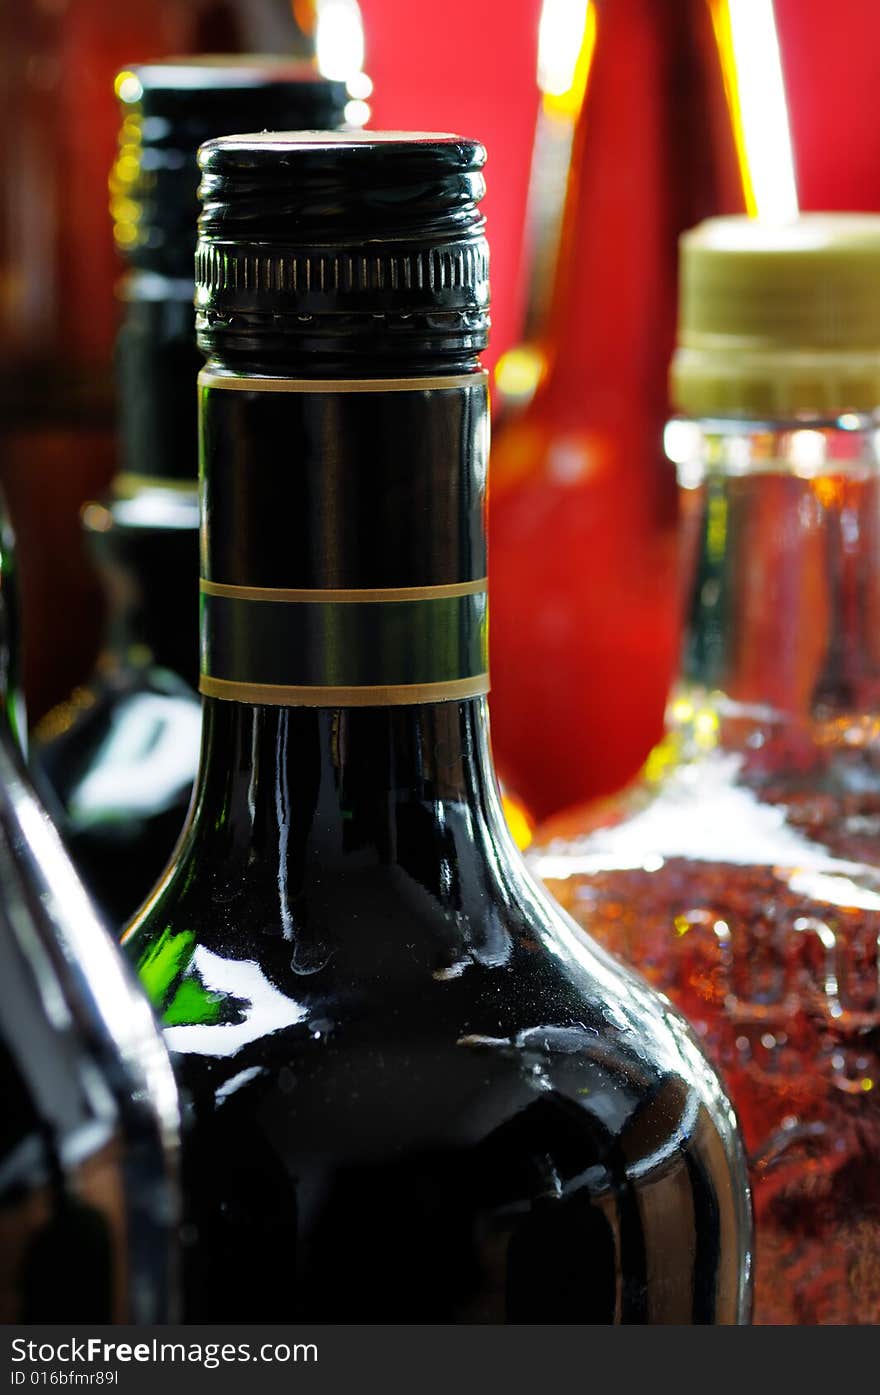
(88, 1152)
(58, 266)
(414, 1096)
(681, 115)
(120, 754)
(741, 873)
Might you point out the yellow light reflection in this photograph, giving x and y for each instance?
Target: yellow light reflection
(566, 40)
(518, 372)
(706, 725)
(519, 821)
(339, 39)
(716, 528)
(748, 46)
(566, 43)
(128, 87)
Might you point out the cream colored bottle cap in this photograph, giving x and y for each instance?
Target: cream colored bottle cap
(779, 321)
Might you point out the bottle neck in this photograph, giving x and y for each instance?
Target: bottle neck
(344, 629)
(657, 85)
(157, 362)
(781, 528)
(144, 538)
(343, 539)
(297, 795)
(145, 546)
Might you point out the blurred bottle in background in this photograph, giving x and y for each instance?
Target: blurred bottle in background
(680, 113)
(58, 265)
(566, 38)
(121, 753)
(88, 1152)
(741, 874)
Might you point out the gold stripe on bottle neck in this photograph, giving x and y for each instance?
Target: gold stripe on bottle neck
(398, 695)
(128, 483)
(346, 594)
(228, 383)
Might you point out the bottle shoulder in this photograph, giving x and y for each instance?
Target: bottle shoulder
(385, 965)
(130, 735)
(118, 770)
(786, 798)
(484, 1055)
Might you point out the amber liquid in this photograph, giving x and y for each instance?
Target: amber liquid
(774, 961)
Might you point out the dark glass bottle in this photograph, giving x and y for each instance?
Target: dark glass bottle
(58, 320)
(88, 1200)
(413, 1094)
(741, 874)
(121, 753)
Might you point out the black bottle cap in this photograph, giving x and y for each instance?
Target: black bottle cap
(341, 247)
(168, 109)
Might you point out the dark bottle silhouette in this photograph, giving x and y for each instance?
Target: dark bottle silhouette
(414, 1095)
(88, 1144)
(120, 754)
(59, 321)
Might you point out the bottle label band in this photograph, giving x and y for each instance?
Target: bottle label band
(227, 382)
(343, 542)
(303, 645)
(269, 695)
(312, 595)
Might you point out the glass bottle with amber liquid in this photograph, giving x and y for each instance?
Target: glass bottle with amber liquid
(88, 1145)
(121, 753)
(742, 873)
(678, 114)
(413, 1094)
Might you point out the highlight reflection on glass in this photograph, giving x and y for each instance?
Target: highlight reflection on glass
(750, 51)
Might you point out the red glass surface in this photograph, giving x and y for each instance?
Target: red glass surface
(582, 510)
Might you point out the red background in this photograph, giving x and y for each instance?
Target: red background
(470, 66)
